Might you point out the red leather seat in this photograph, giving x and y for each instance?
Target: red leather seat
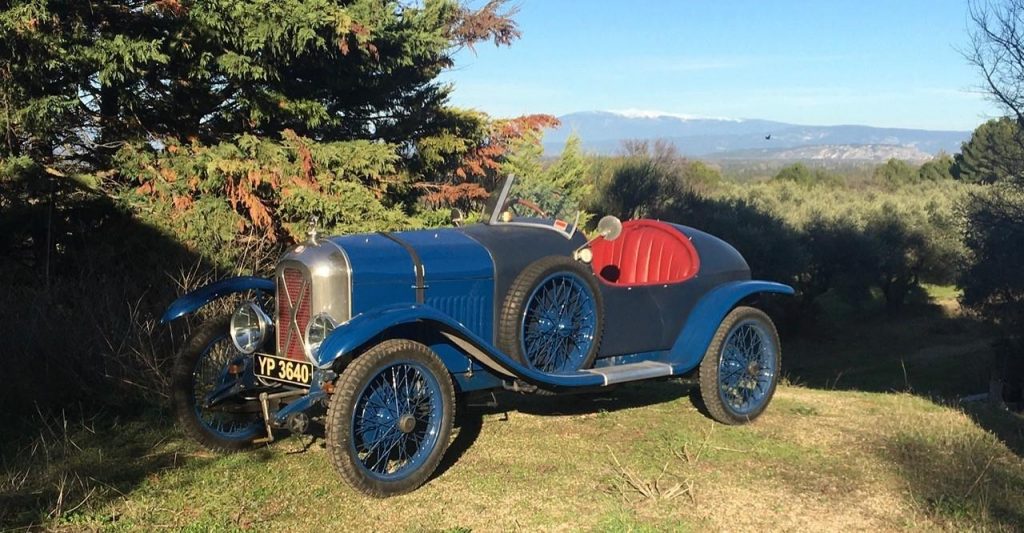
(648, 252)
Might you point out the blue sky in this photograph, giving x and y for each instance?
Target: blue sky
(881, 63)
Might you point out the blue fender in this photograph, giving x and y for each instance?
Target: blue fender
(198, 298)
(354, 334)
(707, 315)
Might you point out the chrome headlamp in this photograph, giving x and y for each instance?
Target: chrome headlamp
(317, 331)
(249, 327)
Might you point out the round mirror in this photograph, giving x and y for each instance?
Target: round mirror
(457, 216)
(609, 227)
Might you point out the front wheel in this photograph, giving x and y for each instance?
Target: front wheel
(390, 419)
(200, 367)
(740, 369)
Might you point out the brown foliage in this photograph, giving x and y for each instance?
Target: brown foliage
(486, 23)
(486, 157)
(477, 172)
(453, 195)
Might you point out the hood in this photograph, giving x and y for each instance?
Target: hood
(443, 254)
(423, 266)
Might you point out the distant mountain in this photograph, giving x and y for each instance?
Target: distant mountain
(831, 153)
(604, 131)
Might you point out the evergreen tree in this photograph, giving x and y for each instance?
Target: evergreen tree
(288, 103)
(799, 173)
(938, 168)
(895, 172)
(83, 76)
(994, 153)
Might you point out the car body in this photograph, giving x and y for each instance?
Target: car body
(524, 303)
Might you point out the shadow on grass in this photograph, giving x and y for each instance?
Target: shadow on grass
(967, 480)
(75, 464)
(1007, 426)
(926, 350)
(470, 418)
(469, 422)
(82, 465)
(83, 283)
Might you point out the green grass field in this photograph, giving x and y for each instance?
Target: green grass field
(851, 443)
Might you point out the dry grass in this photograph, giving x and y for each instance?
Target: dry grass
(643, 458)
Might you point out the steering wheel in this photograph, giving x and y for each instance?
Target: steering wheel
(531, 206)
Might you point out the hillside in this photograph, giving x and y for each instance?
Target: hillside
(830, 153)
(818, 460)
(603, 132)
(838, 449)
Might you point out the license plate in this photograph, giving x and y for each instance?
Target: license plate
(281, 369)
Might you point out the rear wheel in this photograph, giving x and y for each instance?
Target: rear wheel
(553, 316)
(740, 369)
(390, 419)
(200, 367)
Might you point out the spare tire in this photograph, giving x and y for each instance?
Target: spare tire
(552, 318)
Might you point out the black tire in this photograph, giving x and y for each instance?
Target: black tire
(349, 399)
(713, 392)
(211, 339)
(511, 327)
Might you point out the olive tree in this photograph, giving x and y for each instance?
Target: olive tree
(995, 229)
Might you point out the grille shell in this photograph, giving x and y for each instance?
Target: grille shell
(294, 311)
(312, 279)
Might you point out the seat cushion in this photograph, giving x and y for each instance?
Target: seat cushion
(648, 252)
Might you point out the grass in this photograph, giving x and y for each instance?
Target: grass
(931, 349)
(817, 459)
(876, 444)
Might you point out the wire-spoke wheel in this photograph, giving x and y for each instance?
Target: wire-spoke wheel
(201, 367)
(740, 369)
(390, 420)
(552, 318)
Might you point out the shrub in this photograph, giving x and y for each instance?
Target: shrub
(995, 237)
(895, 172)
(821, 239)
(800, 174)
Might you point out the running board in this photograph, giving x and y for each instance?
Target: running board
(631, 372)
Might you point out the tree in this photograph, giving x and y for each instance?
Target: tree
(300, 92)
(648, 178)
(993, 153)
(995, 219)
(895, 172)
(198, 136)
(800, 174)
(700, 175)
(559, 188)
(355, 69)
(937, 168)
(463, 167)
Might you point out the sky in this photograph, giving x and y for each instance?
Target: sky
(893, 63)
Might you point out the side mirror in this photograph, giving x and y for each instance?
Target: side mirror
(457, 216)
(609, 227)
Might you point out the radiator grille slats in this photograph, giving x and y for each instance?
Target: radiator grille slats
(293, 312)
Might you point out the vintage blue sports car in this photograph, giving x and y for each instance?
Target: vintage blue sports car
(377, 335)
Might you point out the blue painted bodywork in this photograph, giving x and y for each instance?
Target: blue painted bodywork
(445, 288)
(685, 354)
(447, 253)
(458, 274)
(192, 301)
(703, 321)
(465, 273)
(349, 338)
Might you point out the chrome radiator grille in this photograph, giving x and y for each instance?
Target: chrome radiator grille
(294, 303)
